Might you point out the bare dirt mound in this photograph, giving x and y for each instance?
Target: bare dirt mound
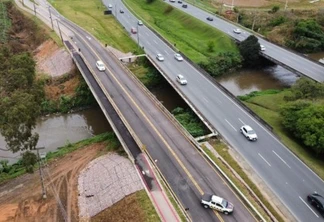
(21, 199)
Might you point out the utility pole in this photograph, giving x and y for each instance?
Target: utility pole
(58, 26)
(49, 10)
(138, 35)
(41, 171)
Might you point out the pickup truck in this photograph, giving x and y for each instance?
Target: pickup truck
(217, 203)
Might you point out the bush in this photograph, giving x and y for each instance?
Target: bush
(278, 21)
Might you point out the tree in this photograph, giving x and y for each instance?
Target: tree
(29, 159)
(305, 121)
(221, 63)
(249, 49)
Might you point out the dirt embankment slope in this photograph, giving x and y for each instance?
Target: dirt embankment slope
(21, 199)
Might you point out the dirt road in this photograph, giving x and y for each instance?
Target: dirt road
(21, 199)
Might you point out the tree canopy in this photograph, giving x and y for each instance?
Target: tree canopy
(303, 115)
(249, 49)
(20, 100)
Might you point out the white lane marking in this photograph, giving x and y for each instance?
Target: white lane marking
(155, 42)
(264, 159)
(166, 52)
(241, 121)
(308, 206)
(205, 100)
(230, 125)
(147, 34)
(148, 43)
(281, 159)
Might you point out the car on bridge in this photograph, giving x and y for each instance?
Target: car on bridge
(160, 57)
(181, 79)
(249, 133)
(133, 30)
(262, 48)
(121, 10)
(140, 22)
(317, 201)
(100, 66)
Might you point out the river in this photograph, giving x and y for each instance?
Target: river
(58, 130)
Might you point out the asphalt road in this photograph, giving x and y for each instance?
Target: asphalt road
(187, 172)
(289, 58)
(285, 174)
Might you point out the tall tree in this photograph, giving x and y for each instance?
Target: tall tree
(249, 49)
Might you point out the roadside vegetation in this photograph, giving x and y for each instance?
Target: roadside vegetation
(90, 16)
(197, 40)
(139, 208)
(297, 117)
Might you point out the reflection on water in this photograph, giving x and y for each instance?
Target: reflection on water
(248, 80)
(57, 130)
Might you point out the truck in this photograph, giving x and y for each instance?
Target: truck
(217, 203)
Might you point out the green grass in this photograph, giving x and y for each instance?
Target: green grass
(222, 150)
(190, 35)
(89, 15)
(112, 144)
(267, 107)
(147, 206)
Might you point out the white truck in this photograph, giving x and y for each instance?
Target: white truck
(217, 203)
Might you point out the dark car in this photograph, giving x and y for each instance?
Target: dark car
(179, 1)
(184, 6)
(317, 201)
(210, 18)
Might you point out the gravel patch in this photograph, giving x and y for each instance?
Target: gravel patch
(105, 181)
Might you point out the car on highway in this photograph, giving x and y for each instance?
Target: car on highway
(184, 6)
(237, 31)
(178, 57)
(140, 22)
(172, 0)
(121, 10)
(179, 1)
(317, 201)
(100, 66)
(160, 57)
(109, 5)
(133, 30)
(217, 203)
(262, 48)
(249, 133)
(181, 79)
(210, 18)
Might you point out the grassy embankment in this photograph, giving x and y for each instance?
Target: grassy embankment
(190, 35)
(267, 107)
(89, 15)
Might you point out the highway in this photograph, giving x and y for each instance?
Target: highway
(185, 169)
(285, 174)
(285, 57)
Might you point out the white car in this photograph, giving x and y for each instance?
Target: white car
(181, 79)
(109, 5)
(217, 203)
(178, 57)
(262, 48)
(100, 66)
(248, 132)
(237, 31)
(160, 57)
(140, 22)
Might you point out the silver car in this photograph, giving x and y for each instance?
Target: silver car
(181, 79)
(178, 57)
(160, 57)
